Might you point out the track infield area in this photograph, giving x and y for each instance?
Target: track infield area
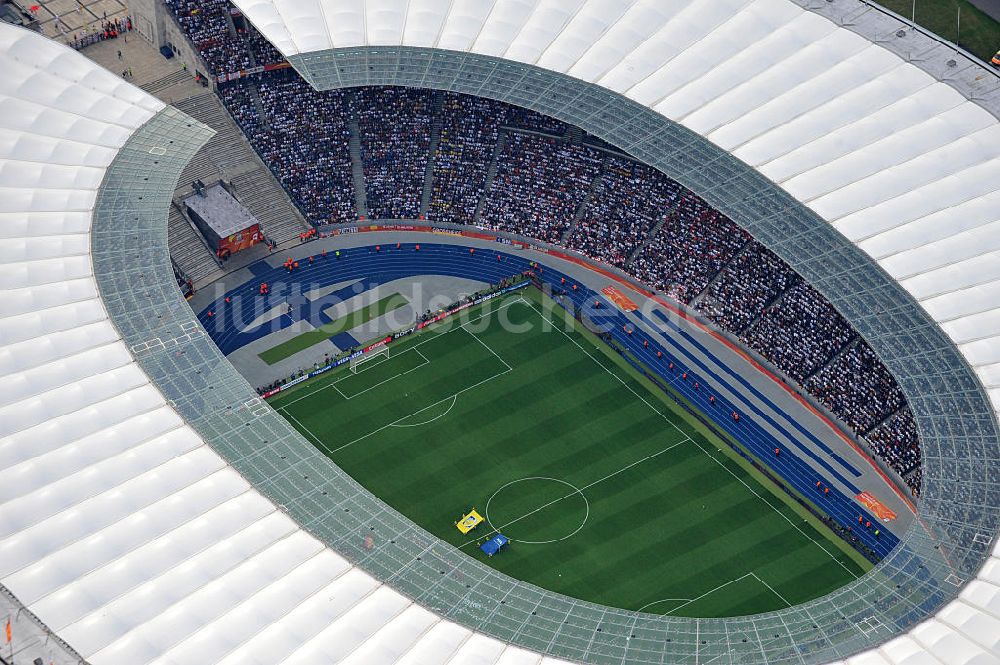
(606, 489)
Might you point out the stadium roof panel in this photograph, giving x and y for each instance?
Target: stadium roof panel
(134, 541)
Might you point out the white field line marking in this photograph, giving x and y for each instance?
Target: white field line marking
(576, 491)
(376, 431)
(629, 388)
(661, 600)
(771, 589)
(580, 491)
(453, 396)
(724, 584)
(430, 336)
(426, 361)
(376, 385)
(307, 430)
(616, 377)
(771, 506)
(485, 345)
(710, 456)
(454, 400)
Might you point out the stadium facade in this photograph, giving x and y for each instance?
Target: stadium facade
(153, 509)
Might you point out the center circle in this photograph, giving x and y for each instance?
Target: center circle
(537, 510)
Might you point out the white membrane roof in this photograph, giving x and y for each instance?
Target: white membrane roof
(135, 542)
(119, 527)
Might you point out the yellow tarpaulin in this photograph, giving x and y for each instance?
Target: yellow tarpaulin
(469, 522)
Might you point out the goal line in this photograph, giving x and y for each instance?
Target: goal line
(359, 360)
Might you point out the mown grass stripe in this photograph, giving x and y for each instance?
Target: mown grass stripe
(670, 515)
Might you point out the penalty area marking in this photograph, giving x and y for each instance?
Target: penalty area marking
(661, 600)
(723, 585)
(454, 400)
(430, 335)
(576, 490)
(383, 381)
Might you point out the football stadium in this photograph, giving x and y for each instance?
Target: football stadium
(499, 332)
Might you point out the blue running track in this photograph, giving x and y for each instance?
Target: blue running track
(365, 268)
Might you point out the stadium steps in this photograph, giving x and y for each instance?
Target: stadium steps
(228, 149)
(234, 33)
(200, 168)
(776, 300)
(188, 248)
(491, 173)
(717, 276)
(354, 148)
(267, 201)
(164, 82)
(649, 237)
(228, 156)
(882, 422)
(595, 190)
(436, 123)
(258, 104)
(834, 358)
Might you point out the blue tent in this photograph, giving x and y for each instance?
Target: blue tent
(493, 545)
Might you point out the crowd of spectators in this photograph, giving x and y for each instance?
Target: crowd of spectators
(745, 287)
(546, 181)
(858, 388)
(540, 182)
(522, 118)
(469, 130)
(303, 138)
(631, 200)
(225, 40)
(263, 51)
(206, 24)
(395, 126)
(896, 442)
(800, 333)
(693, 245)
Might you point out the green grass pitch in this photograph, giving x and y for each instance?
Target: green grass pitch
(608, 492)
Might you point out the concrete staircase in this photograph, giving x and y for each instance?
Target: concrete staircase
(649, 237)
(227, 156)
(228, 150)
(596, 187)
(167, 81)
(436, 123)
(491, 173)
(258, 104)
(889, 416)
(261, 194)
(717, 276)
(847, 347)
(771, 303)
(188, 248)
(354, 149)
